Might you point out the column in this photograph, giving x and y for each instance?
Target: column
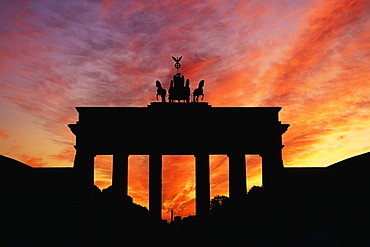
(155, 185)
(202, 185)
(237, 176)
(84, 166)
(272, 168)
(120, 173)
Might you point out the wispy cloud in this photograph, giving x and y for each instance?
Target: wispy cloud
(33, 161)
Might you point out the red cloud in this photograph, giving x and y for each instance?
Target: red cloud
(3, 134)
(32, 161)
(310, 60)
(66, 154)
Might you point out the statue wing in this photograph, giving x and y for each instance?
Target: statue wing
(176, 59)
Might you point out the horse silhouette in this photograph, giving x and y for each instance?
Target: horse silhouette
(160, 91)
(198, 92)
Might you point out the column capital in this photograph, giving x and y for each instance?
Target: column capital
(121, 154)
(235, 153)
(201, 154)
(155, 153)
(84, 151)
(271, 149)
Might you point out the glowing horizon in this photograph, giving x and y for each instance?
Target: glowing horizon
(309, 57)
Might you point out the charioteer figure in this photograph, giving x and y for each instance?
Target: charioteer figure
(179, 89)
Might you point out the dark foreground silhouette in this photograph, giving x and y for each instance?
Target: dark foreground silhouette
(315, 207)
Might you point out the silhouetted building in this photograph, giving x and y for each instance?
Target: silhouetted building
(180, 129)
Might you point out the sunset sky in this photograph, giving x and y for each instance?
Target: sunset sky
(309, 57)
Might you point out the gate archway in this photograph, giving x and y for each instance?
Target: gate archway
(185, 129)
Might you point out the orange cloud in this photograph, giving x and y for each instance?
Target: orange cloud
(33, 161)
(103, 171)
(3, 134)
(309, 57)
(66, 154)
(321, 76)
(138, 179)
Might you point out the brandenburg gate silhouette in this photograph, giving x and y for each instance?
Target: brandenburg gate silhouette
(195, 128)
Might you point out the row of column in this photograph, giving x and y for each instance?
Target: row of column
(237, 177)
(237, 180)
